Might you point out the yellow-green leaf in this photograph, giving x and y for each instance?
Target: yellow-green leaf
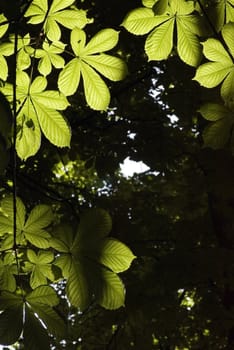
(96, 92)
(159, 43)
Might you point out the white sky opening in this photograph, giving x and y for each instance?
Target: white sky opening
(129, 167)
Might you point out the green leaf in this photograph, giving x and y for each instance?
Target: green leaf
(217, 134)
(41, 216)
(7, 216)
(188, 45)
(40, 266)
(40, 238)
(28, 139)
(50, 56)
(38, 107)
(35, 336)
(69, 77)
(51, 319)
(160, 7)
(104, 40)
(214, 51)
(159, 43)
(43, 295)
(41, 257)
(6, 119)
(149, 3)
(115, 255)
(111, 294)
(53, 126)
(78, 41)
(79, 291)
(211, 74)
(227, 88)
(182, 7)
(64, 262)
(214, 111)
(4, 68)
(11, 324)
(3, 27)
(95, 224)
(227, 33)
(96, 92)
(10, 300)
(69, 18)
(111, 67)
(142, 20)
(63, 237)
(7, 278)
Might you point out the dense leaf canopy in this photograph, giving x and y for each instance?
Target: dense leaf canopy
(92, 259)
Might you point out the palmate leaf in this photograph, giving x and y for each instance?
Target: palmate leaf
(218, 133)
(50, 56)
(90, 61)
(222, 68)
(33, 314)
(11, 324)
(83, 267)
(41, 301)
(40, 267)
(35, 336)
(88, 280)
(161, 20)
(39, 12)
(32, 230)
(38, 111)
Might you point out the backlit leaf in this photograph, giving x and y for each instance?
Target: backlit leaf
(53, 126)
(96, 92)
(43, 295)
(40, 217)
(213, 111)
(111, 67)
(211, 74)
(159, 43)
(111, 294)
(141, 21)
(188, 45)
(115, 255)
(69, 77)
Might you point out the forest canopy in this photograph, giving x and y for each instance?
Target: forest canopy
(92, 259)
